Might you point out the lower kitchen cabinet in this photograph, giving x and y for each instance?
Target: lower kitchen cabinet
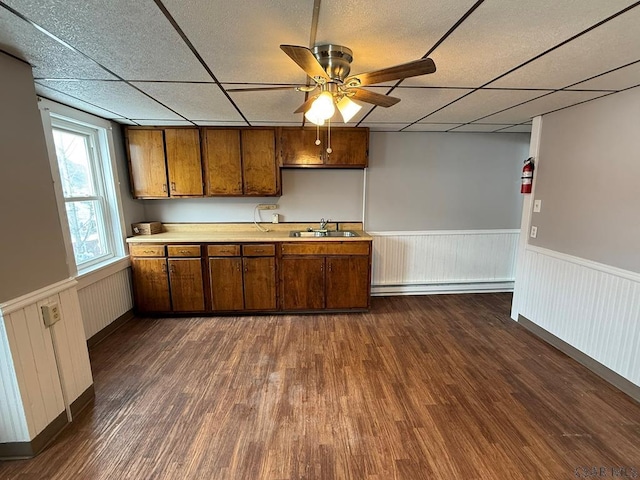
(347, 282)
(185, 280)
(302, 283)
(151, 284)
(225, 276)
(259, 283)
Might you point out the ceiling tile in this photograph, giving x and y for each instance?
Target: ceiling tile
(546, 104)
(502, 34)
(415, 103)
(65, 99)
(383, 33)
(163, 123)
(526, 128)
(481, 103)
(49, 58)
(133, 39)
(269, 106)
(479, 127)
(431, 127)
(617, 80)
(384, 127)
(211, 123)
(201, 101)
(602, 49)
(240, 40)
(115, 96)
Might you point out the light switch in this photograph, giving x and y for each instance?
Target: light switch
(534, 231)
(537, 205)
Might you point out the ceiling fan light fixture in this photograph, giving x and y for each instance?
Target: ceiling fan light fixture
(313, 117)
(323, 106)
(348, 108)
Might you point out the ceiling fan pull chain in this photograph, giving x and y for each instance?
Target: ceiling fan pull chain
(318, 134)
(329, 149)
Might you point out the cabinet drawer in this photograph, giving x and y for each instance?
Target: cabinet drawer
(223, 250)
(183, 250)
(142, 250)
(262, 250)
(326, 248)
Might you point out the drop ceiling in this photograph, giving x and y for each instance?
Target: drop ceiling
(171, 62)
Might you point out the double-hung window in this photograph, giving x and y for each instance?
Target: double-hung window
(87, 194)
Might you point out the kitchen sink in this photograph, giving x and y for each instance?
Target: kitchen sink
(323, 233)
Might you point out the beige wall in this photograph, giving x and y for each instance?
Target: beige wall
(589, 181)
(32, 253)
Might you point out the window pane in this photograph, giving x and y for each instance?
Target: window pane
(87, 234)
(72, 150)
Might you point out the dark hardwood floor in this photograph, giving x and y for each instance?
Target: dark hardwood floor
(434, 387)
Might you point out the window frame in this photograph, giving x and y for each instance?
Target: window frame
(104, 178)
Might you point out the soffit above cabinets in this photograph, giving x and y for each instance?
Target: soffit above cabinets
(170, 62)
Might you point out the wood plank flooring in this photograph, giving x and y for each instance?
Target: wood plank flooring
(434, 387)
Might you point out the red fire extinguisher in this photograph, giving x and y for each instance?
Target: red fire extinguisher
(527, 176)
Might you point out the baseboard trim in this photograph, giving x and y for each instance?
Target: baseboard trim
(442, 288)
(109, 329)
(83, 401)
(22, 450)
(596, 367)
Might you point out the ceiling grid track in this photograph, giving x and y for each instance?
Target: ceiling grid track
(186, 40)
(74, 49)
(570, 39)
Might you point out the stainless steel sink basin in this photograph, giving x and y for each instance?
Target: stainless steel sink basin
(321, 233)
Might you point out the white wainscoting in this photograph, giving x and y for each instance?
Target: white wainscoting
(46, 368)
(592, 307)
(448, 261)
(106, 299)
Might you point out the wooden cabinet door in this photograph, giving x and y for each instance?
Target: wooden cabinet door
(298, 147)
(187, 289)
(259, 283)
(222, 161)
(259, 164)
(303, 283)
(147, 163)
(184, 165)
(151, 284)
(350, 147)
(347, 282)
(225, 275)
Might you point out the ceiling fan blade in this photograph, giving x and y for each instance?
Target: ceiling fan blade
(375, 98)
(259, 89)
(405, 70)
(305, 60)
(306, 105)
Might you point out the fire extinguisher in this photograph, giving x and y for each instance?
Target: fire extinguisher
(527, 176)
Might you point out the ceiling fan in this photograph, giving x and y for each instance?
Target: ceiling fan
(329, 67)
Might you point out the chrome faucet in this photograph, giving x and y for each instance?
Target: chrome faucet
(323, 223)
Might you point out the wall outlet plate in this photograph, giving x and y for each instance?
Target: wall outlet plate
(537, 205)
(534, 231)
(267, 206)
(50, 314)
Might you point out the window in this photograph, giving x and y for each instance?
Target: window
(86, 189)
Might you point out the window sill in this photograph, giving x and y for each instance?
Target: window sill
(99, 272)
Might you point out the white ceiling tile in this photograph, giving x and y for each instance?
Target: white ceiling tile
(479, 127)
(49, 58)
(617, 80)
(502, 34)
(415, 103)
(133, 39)
(603, 48)
(196, 101)
(480, 104)
(115, 96)
(65, 99)
(269, 105)
(240, 40)
(383, 33)
(540, 106)
(163, 123)
(525, 128)
(384, 127)
(431, 127)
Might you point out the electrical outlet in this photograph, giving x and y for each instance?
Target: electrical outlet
(267, 206)
(275, 218)
(537, 205)
(50, 314)
(534, 231)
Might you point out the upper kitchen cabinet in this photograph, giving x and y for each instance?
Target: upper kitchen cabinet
(240, 162)
(165, 162)
(349, 147)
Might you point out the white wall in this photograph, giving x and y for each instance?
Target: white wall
(594, 306)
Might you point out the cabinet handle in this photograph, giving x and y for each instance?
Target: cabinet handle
(184, 251)
(173, 268)
(164, 187)
(259, 250)
(164, 267)
(322, 268)
(148, 251)
(238, 268)
(173, 186)
(330, 267)
(246, 269)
